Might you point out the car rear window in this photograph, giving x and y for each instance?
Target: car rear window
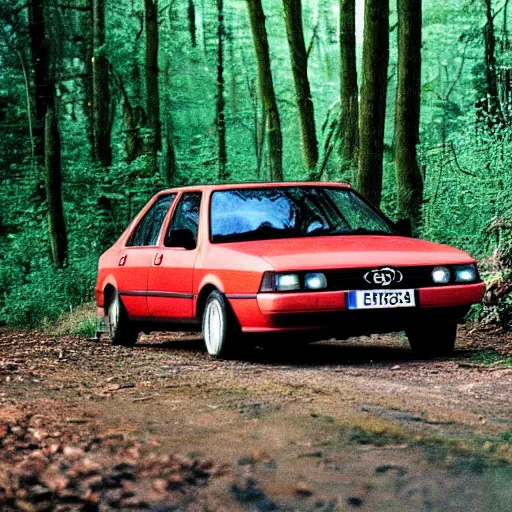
(148, 229)
(289, 212)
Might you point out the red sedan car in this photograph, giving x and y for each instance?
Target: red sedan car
(306, 260)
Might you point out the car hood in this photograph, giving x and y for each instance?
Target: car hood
(351, 252)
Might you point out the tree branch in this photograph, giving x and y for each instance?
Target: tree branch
(455, 159)
(459, 74)
(314, 37)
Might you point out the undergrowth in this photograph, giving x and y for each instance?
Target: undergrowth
(80, 321)
(490, 358)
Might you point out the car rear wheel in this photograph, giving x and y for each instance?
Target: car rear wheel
(427, 341)
(120, 330)
(220, 328)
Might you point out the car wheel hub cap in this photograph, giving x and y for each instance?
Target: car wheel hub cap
(113, 317)
(213, 328)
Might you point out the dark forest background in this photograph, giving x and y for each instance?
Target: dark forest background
(103, 103)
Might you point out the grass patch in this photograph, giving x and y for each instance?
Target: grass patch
(490, 358)
(372, 430)
(506, 437)
(474, 454)
(470, 455)
(453, 456)
(81, 321)
(375, 437)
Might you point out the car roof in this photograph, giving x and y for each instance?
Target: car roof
(249, 185)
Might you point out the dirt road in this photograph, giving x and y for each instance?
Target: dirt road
(335, 426)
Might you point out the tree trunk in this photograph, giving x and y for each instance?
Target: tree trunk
(87, 27)
(133, 119)
(373, 99)
(505, 42)
(492, 104)
(102, 149)
(273, 124)
(299, 59)
(152, 90)
(46, 130)
(53, 183)
(192, 22)
(42, 92)
(258, 115)
(170, 156)
(407, 120)
(349, 94)
(221, 120)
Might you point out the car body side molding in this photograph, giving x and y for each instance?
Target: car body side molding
(172, 295)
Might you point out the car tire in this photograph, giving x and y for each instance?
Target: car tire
(220, 327)
(427, 341)
(120, 330)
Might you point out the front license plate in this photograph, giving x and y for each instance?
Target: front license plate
(381, 299)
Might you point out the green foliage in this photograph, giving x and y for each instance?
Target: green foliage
(99, 206)
(465, 155)
(488, 358)
(42, 295)
(506, 437)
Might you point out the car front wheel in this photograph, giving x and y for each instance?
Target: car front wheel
(120, 330)
(427, 341)
(219, 326)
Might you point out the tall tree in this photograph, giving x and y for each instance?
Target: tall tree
(42, 88)
(492, 103)
(268, 99)
(53, 185)
(298, 54)
(88, 53)
(170, 155)
(407, 120)
(46, 130)
(152, 89)
(102, 148)
(221, 118)
(349, 94)
(373, 99)
(191, 12)
(134, 118)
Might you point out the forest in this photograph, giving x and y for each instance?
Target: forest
(103, 103)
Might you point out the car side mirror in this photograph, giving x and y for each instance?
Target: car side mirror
(181, 238)
(403, 227)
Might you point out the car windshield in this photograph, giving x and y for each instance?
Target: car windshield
(291, 212)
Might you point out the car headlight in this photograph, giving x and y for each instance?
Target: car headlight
(287, 282)
(465, 273)
(441, 275)
(293, 281)
(315, 281)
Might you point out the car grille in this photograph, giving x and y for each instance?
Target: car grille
(352, 279)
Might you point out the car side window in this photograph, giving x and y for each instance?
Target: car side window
(185, 217)
(147, 231)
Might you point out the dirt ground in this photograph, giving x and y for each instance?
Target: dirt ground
(345, 425)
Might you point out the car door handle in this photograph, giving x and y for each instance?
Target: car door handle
(158, 258)
(122, 261)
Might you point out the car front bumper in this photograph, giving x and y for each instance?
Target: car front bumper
(274, 312)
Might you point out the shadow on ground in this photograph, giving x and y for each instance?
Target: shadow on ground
(359, 351)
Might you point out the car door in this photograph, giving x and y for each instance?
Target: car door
(170, 283)
(136, 256)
